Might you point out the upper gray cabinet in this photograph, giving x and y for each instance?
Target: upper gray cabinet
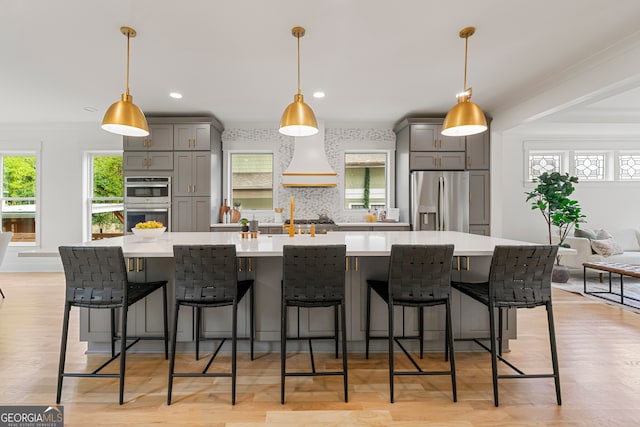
(192, 173)
(191, 137)
(427, 137)
(478, 151)
(160, 138)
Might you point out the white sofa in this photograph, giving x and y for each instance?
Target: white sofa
(628, 239)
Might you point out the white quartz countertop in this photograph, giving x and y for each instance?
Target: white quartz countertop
(339, 224)
(359, 243)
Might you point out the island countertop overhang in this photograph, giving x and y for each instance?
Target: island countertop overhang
(359, 243)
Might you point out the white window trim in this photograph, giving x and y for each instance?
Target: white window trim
(87, 187)
(389, 174)
(35, 149)
(226, 179)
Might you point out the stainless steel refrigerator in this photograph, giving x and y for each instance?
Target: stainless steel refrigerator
(440, 200)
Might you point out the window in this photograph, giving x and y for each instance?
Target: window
(365, 180)
(629, 167)
(590, 166)
(19, 184)
(106, 195)
(252, 180)
(540, 163)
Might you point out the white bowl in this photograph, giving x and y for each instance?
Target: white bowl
(148, 233)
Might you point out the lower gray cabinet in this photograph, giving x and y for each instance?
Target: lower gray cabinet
(191, 214)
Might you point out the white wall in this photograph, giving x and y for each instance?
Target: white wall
(60, 183)
(610, 205)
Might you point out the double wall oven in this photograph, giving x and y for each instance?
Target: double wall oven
(147, 198)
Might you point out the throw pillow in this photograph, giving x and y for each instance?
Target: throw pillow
(606, 247)
(585, 232)
(603, 234)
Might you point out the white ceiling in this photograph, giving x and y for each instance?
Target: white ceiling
(377, 60)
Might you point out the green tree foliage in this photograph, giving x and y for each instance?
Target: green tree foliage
(551, 197)
(108, 176)
(19, 178)
(108, 181)
(366, 186)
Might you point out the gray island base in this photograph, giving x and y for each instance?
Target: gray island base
(261, 259)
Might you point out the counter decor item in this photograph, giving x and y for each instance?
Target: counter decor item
(149, 230)
(244, 222)
(224, 213)
(277, 215)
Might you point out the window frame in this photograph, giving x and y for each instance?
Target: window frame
(228, 179)
(389, 174)
(35, 152)
(87, 189)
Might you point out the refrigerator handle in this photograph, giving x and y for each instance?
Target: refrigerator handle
(441, 213)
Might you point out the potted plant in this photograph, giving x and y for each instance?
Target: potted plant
(551, 198)
(245, 224)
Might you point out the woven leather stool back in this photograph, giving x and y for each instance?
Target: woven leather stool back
(520, 276)
(420, 272)
(206, 273)
(94, 275)
(314, 273)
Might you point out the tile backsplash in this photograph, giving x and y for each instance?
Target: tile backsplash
(311, 201)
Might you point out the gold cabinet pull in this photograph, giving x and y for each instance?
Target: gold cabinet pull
(458, 263)
(468, 161)
(240, 263)
(139, 265)
(250, 264)
(347, 264)
(468, 263)
(356, 263)
(129, 266)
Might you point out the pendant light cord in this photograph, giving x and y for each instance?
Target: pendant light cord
(299, 90)
(466, 50)
(127, 73)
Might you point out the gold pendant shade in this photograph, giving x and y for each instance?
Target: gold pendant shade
(466, 117)
(124, 117)
(298, 118)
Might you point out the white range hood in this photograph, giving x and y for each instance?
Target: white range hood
(309, 166)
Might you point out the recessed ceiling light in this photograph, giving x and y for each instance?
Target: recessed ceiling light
(90, 109)
(318, 94)
(175, 95)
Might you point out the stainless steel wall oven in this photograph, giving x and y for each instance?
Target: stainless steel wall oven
(147, 198)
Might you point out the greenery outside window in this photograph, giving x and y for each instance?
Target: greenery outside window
(19, 184)
(365, 180)
(252, 181)
(106, 195)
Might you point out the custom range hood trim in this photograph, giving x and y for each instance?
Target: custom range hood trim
(309, 166)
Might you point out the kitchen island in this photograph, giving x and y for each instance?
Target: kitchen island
(261, 259)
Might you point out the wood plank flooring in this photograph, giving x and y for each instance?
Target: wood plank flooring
(599, 351)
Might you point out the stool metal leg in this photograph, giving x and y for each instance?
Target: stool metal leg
(421, 330)
(123, 350)
(172, 359)
(368, 322)
(1, 293)
(112, 313)
(251, 321)
(494, 353)
(449, 346)
(283, 349)
(391, 365)
(344, 351)
(63, 349)
(335, 327)
(198, 319)
(234, 342)
(554, 352)
(166, 321)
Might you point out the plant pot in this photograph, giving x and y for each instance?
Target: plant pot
(245, 228)
(560, 274)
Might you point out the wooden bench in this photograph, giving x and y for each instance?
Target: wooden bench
(612, 268)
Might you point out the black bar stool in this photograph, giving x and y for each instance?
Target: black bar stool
(519, 277)
(419, 276)
(96, 278)
(314, 276)
(207, 276)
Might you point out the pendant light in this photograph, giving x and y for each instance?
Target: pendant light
(466, 118)
(298, 118)
(124, 117)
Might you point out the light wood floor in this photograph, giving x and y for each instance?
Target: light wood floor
(599, 350)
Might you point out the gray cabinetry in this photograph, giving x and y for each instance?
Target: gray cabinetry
(420, 146)
(191, 213)
(479, 198)
(478, 151)
(160, 138)
(192, 173)
(427, 137)
(191, 136)
(153, 152)
(436, 160)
